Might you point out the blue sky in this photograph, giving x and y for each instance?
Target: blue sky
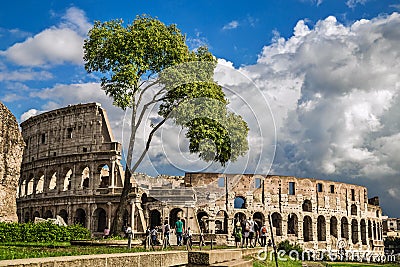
(329, 71)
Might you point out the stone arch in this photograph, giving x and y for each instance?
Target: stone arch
(27, 217)
(67, 180)
(239, 217)
(353, 210)
(48, 214)
(63, 214)
(174, 214)
(36, 214)
(307, 205)
(31, 181)
(80, 217)
(155, 218)
(369, 229)
(40, 184)
(277, 223)
(53, 180)
(334, 227)
(239, 202)
(221, 222)
(259, 218)
(202, 219)
(344, 228)
(354, 231)
(85, 178)
(100, 219)
(22, 191)
(293, 223)
(104, 176)
(307, 229)
(363, 227)
(321, 228)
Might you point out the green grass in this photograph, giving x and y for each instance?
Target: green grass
(10, 252)
(270, 262)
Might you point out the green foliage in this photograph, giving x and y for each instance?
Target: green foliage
(287, 247)
(41, 232)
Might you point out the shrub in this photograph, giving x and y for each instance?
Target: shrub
(287, 247)
(41, 232)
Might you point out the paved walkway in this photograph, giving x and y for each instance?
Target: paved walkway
(311, 264)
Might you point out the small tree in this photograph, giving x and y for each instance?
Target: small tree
(148, 56)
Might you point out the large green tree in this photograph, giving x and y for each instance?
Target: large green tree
(148, 56)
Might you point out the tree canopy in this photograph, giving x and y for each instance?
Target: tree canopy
(149, 56)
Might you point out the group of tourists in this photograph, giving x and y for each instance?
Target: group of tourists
(248, 233)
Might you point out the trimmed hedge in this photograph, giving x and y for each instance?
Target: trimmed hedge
(41, 232)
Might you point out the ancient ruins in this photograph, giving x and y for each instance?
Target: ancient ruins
(71, 168)
(11, 148)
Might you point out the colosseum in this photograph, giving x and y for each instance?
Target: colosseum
(71, 167)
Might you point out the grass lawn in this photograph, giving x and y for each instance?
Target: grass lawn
(41, 250)
(351, 264)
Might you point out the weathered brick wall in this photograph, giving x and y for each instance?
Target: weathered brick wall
(11, 148)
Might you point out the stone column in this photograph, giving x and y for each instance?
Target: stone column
(133, 204)
(109, 214)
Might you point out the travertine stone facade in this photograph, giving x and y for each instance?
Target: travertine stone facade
(63, 173)
(11, 147)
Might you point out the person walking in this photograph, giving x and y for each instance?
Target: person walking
(166, 232)
(179, 231)
(237, 232)
(263, 235)
(128, 232)
(153, 233)
(188, 235)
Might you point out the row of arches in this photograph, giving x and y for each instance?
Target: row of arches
(347, 230)
(37, 185)
(99, 217)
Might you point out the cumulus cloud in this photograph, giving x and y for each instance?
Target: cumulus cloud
(25, 75)
(334, 93)
(231, 25)
(55, 45)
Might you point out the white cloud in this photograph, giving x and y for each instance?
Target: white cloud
(25, 75)
(30, 113)
(55, 45)
(231, 25)
(354, 3)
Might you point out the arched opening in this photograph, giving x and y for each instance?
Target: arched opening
(307, 229)
(100, 219)
(104, 176)
(239, 217)
(221, 222)
(333, 227)
(53, 181)
(67, 180)
(30, 185)
(293, 223)
(27, 217)
(378, 225)
(155, 218)
(85, 178)
(80, 217)
(259, 218)
(239, 203)
(321, 228)
(48, 214)
(369, 229)
(36, 214)
(40, 185)
(363, 227)
(307, 205)
(344, 228)
(354, 231)
(22, 191)
(202, 219)
(374, 229)
(174, 215)
(63, 214)
(277, 223)
(354, 209)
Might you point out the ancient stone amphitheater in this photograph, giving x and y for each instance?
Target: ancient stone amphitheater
(71, 167)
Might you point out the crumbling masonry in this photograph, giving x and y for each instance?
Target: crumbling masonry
(71, 167)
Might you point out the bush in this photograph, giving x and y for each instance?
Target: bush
(287, 247)
(41, 232)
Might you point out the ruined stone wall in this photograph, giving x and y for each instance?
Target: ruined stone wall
(11, 148)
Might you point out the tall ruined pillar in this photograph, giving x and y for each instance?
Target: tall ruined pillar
(11, 148)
